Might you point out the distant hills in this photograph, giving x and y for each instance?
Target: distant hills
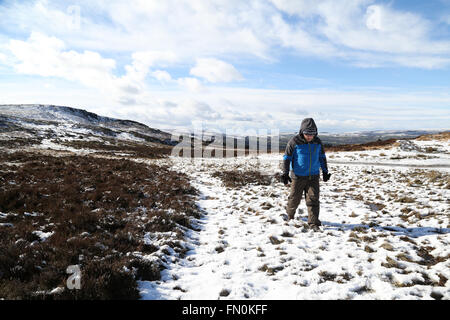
(36, 121)
(328, 139)
(334, 139)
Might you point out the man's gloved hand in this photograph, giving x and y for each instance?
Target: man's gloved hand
(326, 176)
(285, 178)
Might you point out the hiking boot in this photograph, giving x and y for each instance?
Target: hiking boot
(314, 227)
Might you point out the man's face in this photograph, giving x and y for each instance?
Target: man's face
(308, 137)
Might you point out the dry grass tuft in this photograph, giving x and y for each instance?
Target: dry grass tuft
(238, 179)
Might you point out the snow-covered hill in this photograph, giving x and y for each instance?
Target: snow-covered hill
(48, 123)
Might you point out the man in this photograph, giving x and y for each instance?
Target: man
(305, 155)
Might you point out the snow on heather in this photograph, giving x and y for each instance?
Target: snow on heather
(385, 233)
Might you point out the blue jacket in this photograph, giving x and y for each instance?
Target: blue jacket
(303, 158)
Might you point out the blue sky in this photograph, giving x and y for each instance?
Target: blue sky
(352, 65)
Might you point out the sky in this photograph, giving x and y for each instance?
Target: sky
(232, 65)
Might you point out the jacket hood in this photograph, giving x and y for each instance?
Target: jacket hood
(308, 125)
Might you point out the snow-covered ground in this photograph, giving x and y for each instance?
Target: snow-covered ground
(385, 233)
(409, 153)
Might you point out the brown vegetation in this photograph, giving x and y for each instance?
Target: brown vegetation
(96, 213)
(362, 147)
(442, 136)
(238, 179)
(19, 142)
(115, 147)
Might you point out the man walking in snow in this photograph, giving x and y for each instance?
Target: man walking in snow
(303, 158)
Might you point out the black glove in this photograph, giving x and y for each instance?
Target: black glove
(326, 176)
(285, 178)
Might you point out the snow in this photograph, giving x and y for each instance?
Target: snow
(363, 252)
(50, 145)
(43, 235)
(128, 136)
(47, 112)
(409, 153)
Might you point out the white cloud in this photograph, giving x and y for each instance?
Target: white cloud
(191, 84)
(223, 108)
(146, 59)
(41, 15)
(187, 27)
(183, 112)
(214, 70)
(353, 31)
(198, 110)
(127, 101)
(139, 69)
(45, 56)
(162, 76)
(365, 33)
(355, 124)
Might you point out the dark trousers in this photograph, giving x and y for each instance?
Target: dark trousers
(309, 186)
